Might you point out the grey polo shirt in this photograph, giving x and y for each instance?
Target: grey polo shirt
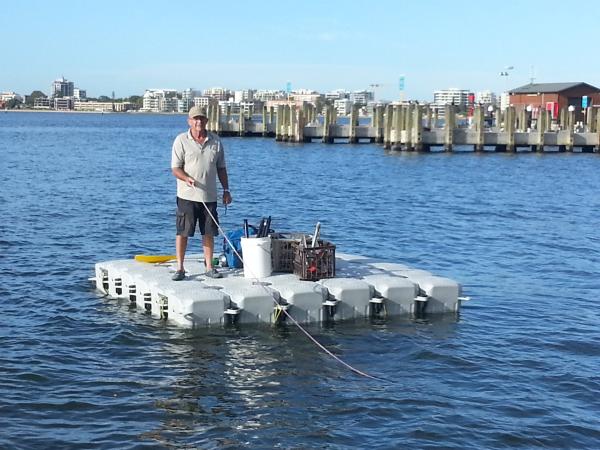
(201, 163)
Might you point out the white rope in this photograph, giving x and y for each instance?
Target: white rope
(294, 321)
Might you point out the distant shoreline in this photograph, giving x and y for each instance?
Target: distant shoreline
(89, 112)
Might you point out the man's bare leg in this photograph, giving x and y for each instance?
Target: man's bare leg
(180, 247)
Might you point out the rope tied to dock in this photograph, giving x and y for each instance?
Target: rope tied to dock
(283, 310)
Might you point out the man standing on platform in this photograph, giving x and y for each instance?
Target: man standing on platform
(197, 160)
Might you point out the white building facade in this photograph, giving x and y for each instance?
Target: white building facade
(362, 97)
(160, 100)
(486, 98)
(452, 96)
(342, 106)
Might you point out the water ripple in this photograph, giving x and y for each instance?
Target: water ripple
(516, 368)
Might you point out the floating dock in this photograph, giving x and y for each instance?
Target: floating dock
(363, 287)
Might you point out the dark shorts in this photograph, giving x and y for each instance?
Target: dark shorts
(189, 213)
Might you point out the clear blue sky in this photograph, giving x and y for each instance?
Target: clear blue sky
(128, 46)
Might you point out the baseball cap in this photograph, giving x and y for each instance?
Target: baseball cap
(196, 111)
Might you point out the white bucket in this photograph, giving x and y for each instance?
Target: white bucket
(257, 257)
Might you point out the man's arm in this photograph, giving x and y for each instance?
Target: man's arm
(224, 179)
(180, 174)
(177, 162)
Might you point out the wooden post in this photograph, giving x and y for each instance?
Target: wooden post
(571, 128)
(499, 119)
(400, 125)
(285, 126)
(287, 114)
(242, 122)
(228, 115)
(218, 119)
(387, 126)
(279, 123)
(410, 110)
(562, 118)
(353, 122)
(310, 114)
(428, 117)
(294, 135)
(509, 127)
(590, 119)
(395, 127)
(406, 117)
(264, 120)
(374, 123)
(326, 125)
(379, 131)
(209, 114)
(479, 127)
(215, 116)
(522, 120)
(417, 131)
(449, 127)
(542, 126)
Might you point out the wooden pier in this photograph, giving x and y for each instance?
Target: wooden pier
(414, 127)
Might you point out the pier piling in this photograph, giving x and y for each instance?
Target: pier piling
(353, 124)
(479, 122)
(387, 126)
(417, 131)
(449, 127)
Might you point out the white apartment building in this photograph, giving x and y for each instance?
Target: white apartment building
(189, 94)
(160, 100)
(201, 101)
(63, 103)
(245, 95)
(458, 97)
(217, 93)
(78, 105)
(265, 95)
(41, 103)
(485, 98)
(251, 107)
(79, 94)
(362, 97)
(338, 94)
(342, 106)
(184, 104)
(305, 95)
(169, 104)
(8, 96)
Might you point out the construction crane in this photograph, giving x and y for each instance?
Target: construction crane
(374, 86)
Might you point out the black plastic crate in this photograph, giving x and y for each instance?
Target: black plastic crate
(282, 250)
(314, 263)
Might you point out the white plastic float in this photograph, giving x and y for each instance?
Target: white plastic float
(363, 287)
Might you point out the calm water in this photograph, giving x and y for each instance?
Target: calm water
(520, 367)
